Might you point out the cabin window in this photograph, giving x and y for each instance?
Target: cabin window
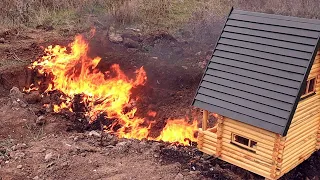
(244, 142)
(310, 87)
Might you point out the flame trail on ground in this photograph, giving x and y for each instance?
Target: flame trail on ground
(74, 73)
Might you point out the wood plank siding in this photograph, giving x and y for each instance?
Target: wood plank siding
(301, 140)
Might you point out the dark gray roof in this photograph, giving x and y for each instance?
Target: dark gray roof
(258, 69)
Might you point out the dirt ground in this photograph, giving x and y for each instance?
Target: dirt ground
(36, 144)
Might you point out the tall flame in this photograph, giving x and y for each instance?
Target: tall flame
(107, 93)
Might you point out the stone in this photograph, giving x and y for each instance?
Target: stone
(179, 176)
(41, 120)
(32, 97)
(129, 43)
(19, 166)
(94, 134)
(48, 157)
(22, 103)
(16, 93)
(21, 146)
(18, 155)
(76, 138)
(64, 164)
(14, 147)
(115, 38)
(2, 40)
(36, 178)
(156, 155)
(83, 154)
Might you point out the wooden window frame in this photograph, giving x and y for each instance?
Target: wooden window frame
(306, 92)
(249, 148)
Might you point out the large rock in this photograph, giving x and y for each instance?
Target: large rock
(115, 38)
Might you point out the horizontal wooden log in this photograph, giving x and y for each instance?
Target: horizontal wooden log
(246, 166)
(298, 143)
(296, 161)
(312, 107)
(306, 101)
(229, 131)
(259, 149)
(302, 134)
(295, 154)
(309, 113)
(206, 141)
(258, 155)
(291, 151)
(248, 127)
(208, 151)
(305, 110)
(210, 134)
(245, 131)
(208, 146)
(251, 157)
(303, 130)
(210, 138)
(264, 167)
(312, 121)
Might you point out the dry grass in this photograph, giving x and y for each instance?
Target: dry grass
(148, 14)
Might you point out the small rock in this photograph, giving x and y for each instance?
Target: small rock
(6, 162)
(179, 176)
(76, 138)
(64, 164)
(36, 178)
(14, 147)
(113, 142)
(41, 120)
(22, 103)
(115, 38)
(2, 40)
(83, 154)
(122, 146)
(15, 105)
(184, 67)
(17, 155)
(21, 146)
(94, 134)
(129, 43)
(33, 97)
(19, 166)
(16, 93)
(156, 155)
(48, 157)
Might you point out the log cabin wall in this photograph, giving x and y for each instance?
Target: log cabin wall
(301, 140)
(259, 161)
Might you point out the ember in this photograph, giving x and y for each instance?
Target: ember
(77, 77)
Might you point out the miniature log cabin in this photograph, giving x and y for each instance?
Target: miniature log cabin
(263, 86)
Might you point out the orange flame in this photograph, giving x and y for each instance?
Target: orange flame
(103, 93)
(179, 130)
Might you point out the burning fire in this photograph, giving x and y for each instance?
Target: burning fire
(108, 94)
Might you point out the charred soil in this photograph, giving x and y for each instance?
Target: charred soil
(38, 144)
